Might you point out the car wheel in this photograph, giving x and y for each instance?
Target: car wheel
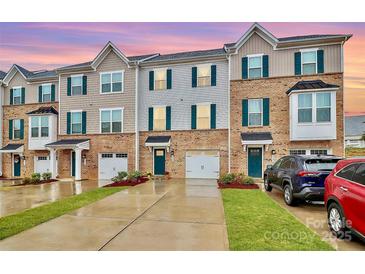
(266, 185)
(336, 220)
(288, 195)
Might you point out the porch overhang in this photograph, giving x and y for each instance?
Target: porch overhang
(13, 148)
(158, 141)
(70, 144)
(311, 86)
(256, 138)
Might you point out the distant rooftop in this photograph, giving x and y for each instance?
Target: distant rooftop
(2, 75)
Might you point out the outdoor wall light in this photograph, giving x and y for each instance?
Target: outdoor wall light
(273, 152)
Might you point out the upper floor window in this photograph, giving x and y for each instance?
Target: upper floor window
(204, 75)
(305, 108)
(46, 93)
(203, 116)
(111, 82)
(323, 104)
(255, 112)
(111, 120)
(76, 122)
(17, 96)
(159, 118)
(76, 85)
(160, 79)
(255, 66)
(39, 126)
(309, 62)
(17, 129)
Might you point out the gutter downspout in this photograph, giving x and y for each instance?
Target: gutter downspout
(136, 119)
(229, 113)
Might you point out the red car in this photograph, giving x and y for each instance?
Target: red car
(345, 198)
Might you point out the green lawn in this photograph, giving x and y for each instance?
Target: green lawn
(13, 224)
(255, 222)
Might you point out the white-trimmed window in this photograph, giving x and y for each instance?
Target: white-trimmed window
(204, 75)
(76, 85)
(305, 108)
(255, 66)
(39, 126)
(301, 151)
(76, 122)
(111, 120)
(203, 116)
(111, 82)
(16, 129)
(159, 118)
(309, 62)
(17, 96)
(323, 107)
(46, 93)
(297, 152)
(255, 112)
(160, 79)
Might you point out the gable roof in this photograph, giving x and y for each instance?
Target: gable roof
(44, 110)
(105, 51)
(28, 75)
(354, 125)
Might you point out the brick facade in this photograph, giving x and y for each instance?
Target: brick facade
(182, 141)
(275, 88)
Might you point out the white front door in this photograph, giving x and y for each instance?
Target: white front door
(112, 163)
(202, 164)
(41, 164)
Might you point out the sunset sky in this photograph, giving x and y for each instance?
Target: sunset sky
(50, 45)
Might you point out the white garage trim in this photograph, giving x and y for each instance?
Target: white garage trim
(202, 164)
(110, 163)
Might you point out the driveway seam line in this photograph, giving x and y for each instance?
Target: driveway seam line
(131, 222)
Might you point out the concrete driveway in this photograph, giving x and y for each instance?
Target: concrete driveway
(315, 217)
(158, 215)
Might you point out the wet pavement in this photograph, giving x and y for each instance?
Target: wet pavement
(158, 215)
(315, 217)
(15, 199)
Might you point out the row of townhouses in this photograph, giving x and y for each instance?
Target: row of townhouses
(192, 114)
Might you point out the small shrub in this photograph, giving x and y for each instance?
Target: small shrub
(149, 174)
(26, 180)
(248, 180)
(120, 177)
(134, 175)
(46, 176)
(227, 178)
(35, 178)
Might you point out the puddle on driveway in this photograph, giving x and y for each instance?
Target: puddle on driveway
(14, 199)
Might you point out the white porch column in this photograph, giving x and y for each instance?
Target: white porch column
(53, 162)
(78, 164)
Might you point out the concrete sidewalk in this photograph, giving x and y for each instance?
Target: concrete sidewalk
(158, 215)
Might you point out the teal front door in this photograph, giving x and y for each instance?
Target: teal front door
(159, 160)
(73, 158)
(16, 165)
(255, 162)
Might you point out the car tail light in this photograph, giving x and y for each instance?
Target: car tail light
(303, 173)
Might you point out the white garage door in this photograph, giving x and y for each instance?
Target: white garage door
(202, 164)
(112, 163)
(41, 164)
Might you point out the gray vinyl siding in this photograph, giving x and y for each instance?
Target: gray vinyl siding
(281, 62)
(31, 90)
(93, 101)
(182, 95)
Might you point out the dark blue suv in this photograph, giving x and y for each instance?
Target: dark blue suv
(300, 177)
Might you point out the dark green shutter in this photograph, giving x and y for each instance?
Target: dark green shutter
(169, 78)
(266, 111)
(11, 97)
(193, 117)
(213, 75)
(53, 93)
(10, 129)
(213, 115)
(245, 112)
(23, 95)
(298, 63)
(40, 99)
(84, 122)
(21, 128)
(84, 85)
(194, 76)
(68, 122)
(150, 119)
(168, 118)
(244, 68)
(265, 66)
(320, 61)
(152, 79)
(69, 86)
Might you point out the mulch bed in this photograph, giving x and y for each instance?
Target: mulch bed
(238, 186)
(140, 180)
(35, 184)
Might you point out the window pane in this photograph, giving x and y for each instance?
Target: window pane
(76, 90)
(35, 132)
(160, 75)
(203, 123)
(359, 176)
(305, 100)
(46, 89)
(323, 114)
(76, 81)
(105, 116)
(305, 115)
(117, 87)
(17, 96)
(116, 115)
(117, 127)
(16, 134)
(44, 121)
(44, 131)
(76, 128)
(204, 81)
(203, 111)
(254, 105)
(309, 68)
(309, 57)
(117, 77)
(255, 73)
(204, 71)
(105, 87)
(255, 62)
(17, 92)
(159, 124)
(35, 121)
(16, 124)
(105, 127)
(159, 118)
(76, 117)
(159, 113)
(46, 97)
(323, 99)
(254, 119)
